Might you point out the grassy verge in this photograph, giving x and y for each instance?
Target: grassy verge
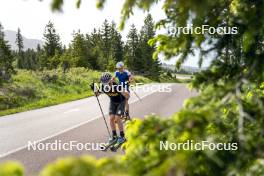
(31, 90)
(172, 78)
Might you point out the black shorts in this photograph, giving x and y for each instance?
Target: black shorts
(117, 108)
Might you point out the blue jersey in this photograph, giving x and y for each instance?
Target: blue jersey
(123, 77)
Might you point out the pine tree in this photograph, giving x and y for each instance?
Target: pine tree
(150, 65)
(21, 62)
(19, 41)
(106, 41)
(117, 45)
(39, 56)
(38, 48)
(6, 58)
(91, 44)
(80, 51)
(133, 53)
(96, 43)
(31, 60)
(52, 45)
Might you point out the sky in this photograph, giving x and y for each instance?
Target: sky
(31, 16)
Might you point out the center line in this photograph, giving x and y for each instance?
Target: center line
(71, 110)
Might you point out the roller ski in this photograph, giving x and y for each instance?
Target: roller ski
(110, 143)
(118, 144)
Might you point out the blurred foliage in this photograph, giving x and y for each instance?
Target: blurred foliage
(11, 169)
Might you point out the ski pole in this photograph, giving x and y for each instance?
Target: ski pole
(102, 113)
(137, 96)
(134, 91)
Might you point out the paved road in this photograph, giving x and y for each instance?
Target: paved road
(78, 121)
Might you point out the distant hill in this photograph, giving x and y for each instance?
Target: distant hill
(184, 68)
(10, 36)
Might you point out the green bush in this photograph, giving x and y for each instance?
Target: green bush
(74, 166)
(49, 78)
(30, 90)
(11, 169)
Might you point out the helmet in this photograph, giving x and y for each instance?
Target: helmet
(106, 77)
(119, 64)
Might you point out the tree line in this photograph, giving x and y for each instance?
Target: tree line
(99, 50)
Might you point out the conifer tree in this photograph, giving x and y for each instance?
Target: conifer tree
(106, 41)
(52, 45)
(149, 64)
(6, 58)
(133, 54)
(117, 45)
(21, 62)
(80, 51)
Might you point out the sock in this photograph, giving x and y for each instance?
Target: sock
(122, 134)
(114, 134)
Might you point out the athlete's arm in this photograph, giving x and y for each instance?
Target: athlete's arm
(114, 77)
(130, 76)
(95, 90)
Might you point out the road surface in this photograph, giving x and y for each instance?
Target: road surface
(79, 121)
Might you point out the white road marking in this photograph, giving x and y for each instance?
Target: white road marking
(71, 110)
(66, 130)
(48, 137)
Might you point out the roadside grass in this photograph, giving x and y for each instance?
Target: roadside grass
(173, 78)
(36, 89)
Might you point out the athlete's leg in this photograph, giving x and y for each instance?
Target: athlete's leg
(121, 139)
(119, 122)
(127, 106)
(112, 111)
(112, 122)
(119, 112)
